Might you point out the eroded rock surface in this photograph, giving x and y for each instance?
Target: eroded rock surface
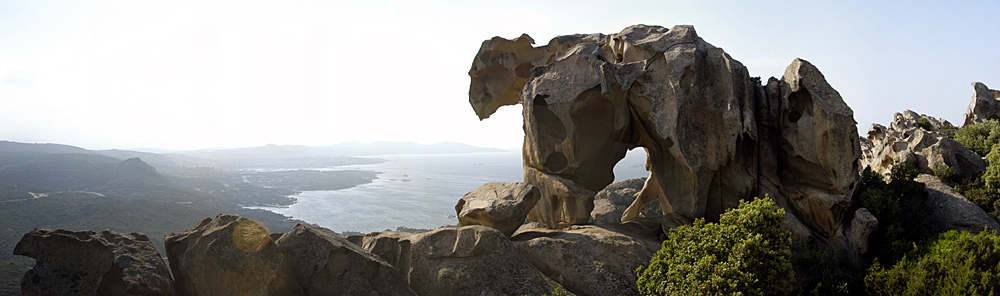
(947, 209)
(92, 263)
(471, 260)
(589, 259)
(985, 104)
(905, 141)
(229, 255)
(502, 206)
(327, 264)
(713, 136)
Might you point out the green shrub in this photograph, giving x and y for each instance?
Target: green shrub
(924, 123)
(956, 263)
(979, 138)
(885, 201)
(747, 252)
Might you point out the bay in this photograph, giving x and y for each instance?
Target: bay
(418, 190)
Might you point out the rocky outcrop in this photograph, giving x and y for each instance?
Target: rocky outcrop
(985, 104)
(946, 209)
(471, 260)
(610, 203)
(905, 141)
(229, 255)
(589, 259)
(327, 264)
(92, 263)
(713, 136)
(502, 206)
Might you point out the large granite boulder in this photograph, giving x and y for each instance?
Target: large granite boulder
(471, 260)
(229, 255)
(502, 206)
(946, 209)
(610, 203)
(667, 90)
(713, 135)
(985, 104)
(590, 259)
(905, 141)
(327, 264)
(92, 263)
(818, 149)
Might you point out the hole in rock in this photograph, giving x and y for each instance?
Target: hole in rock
(632, 166)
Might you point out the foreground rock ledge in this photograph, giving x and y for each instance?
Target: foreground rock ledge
(92, 263)
(712, 134)
(229, 255)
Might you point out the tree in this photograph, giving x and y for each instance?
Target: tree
(979, 138)
(746, 253)
(956, 263)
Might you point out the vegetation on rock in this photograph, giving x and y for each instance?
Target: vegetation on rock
(983, 138)
(747, 252)
(979, 138)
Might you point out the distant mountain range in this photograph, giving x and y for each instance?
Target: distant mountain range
(345, 149)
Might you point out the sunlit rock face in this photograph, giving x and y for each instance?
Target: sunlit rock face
(985, 104)
(713, 136)
(927, 148)
(229, 255)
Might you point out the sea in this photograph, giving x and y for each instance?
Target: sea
(418, 190)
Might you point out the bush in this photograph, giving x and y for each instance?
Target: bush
(980, 137)
(885, 201)
(747, 252)
(924, 123)
(956, 263)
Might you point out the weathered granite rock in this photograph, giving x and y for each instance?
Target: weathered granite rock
(904, 141)
(713, 136)
(947, 209)
(589, 259)
(229, 255)
(327, 264)
(985, 104)
(667, 90)
(610, 203)
(92, 263)
(502, 206)
(819, 149)
(471, 260)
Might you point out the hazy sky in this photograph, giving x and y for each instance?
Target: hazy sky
(199, 74)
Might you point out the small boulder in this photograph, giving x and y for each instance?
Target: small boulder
(502, 206)
(229, 255)
(92, 263)
(328, 264)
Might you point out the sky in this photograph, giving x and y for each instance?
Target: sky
(181, 75)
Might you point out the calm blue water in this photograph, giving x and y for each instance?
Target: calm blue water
(418, 191)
